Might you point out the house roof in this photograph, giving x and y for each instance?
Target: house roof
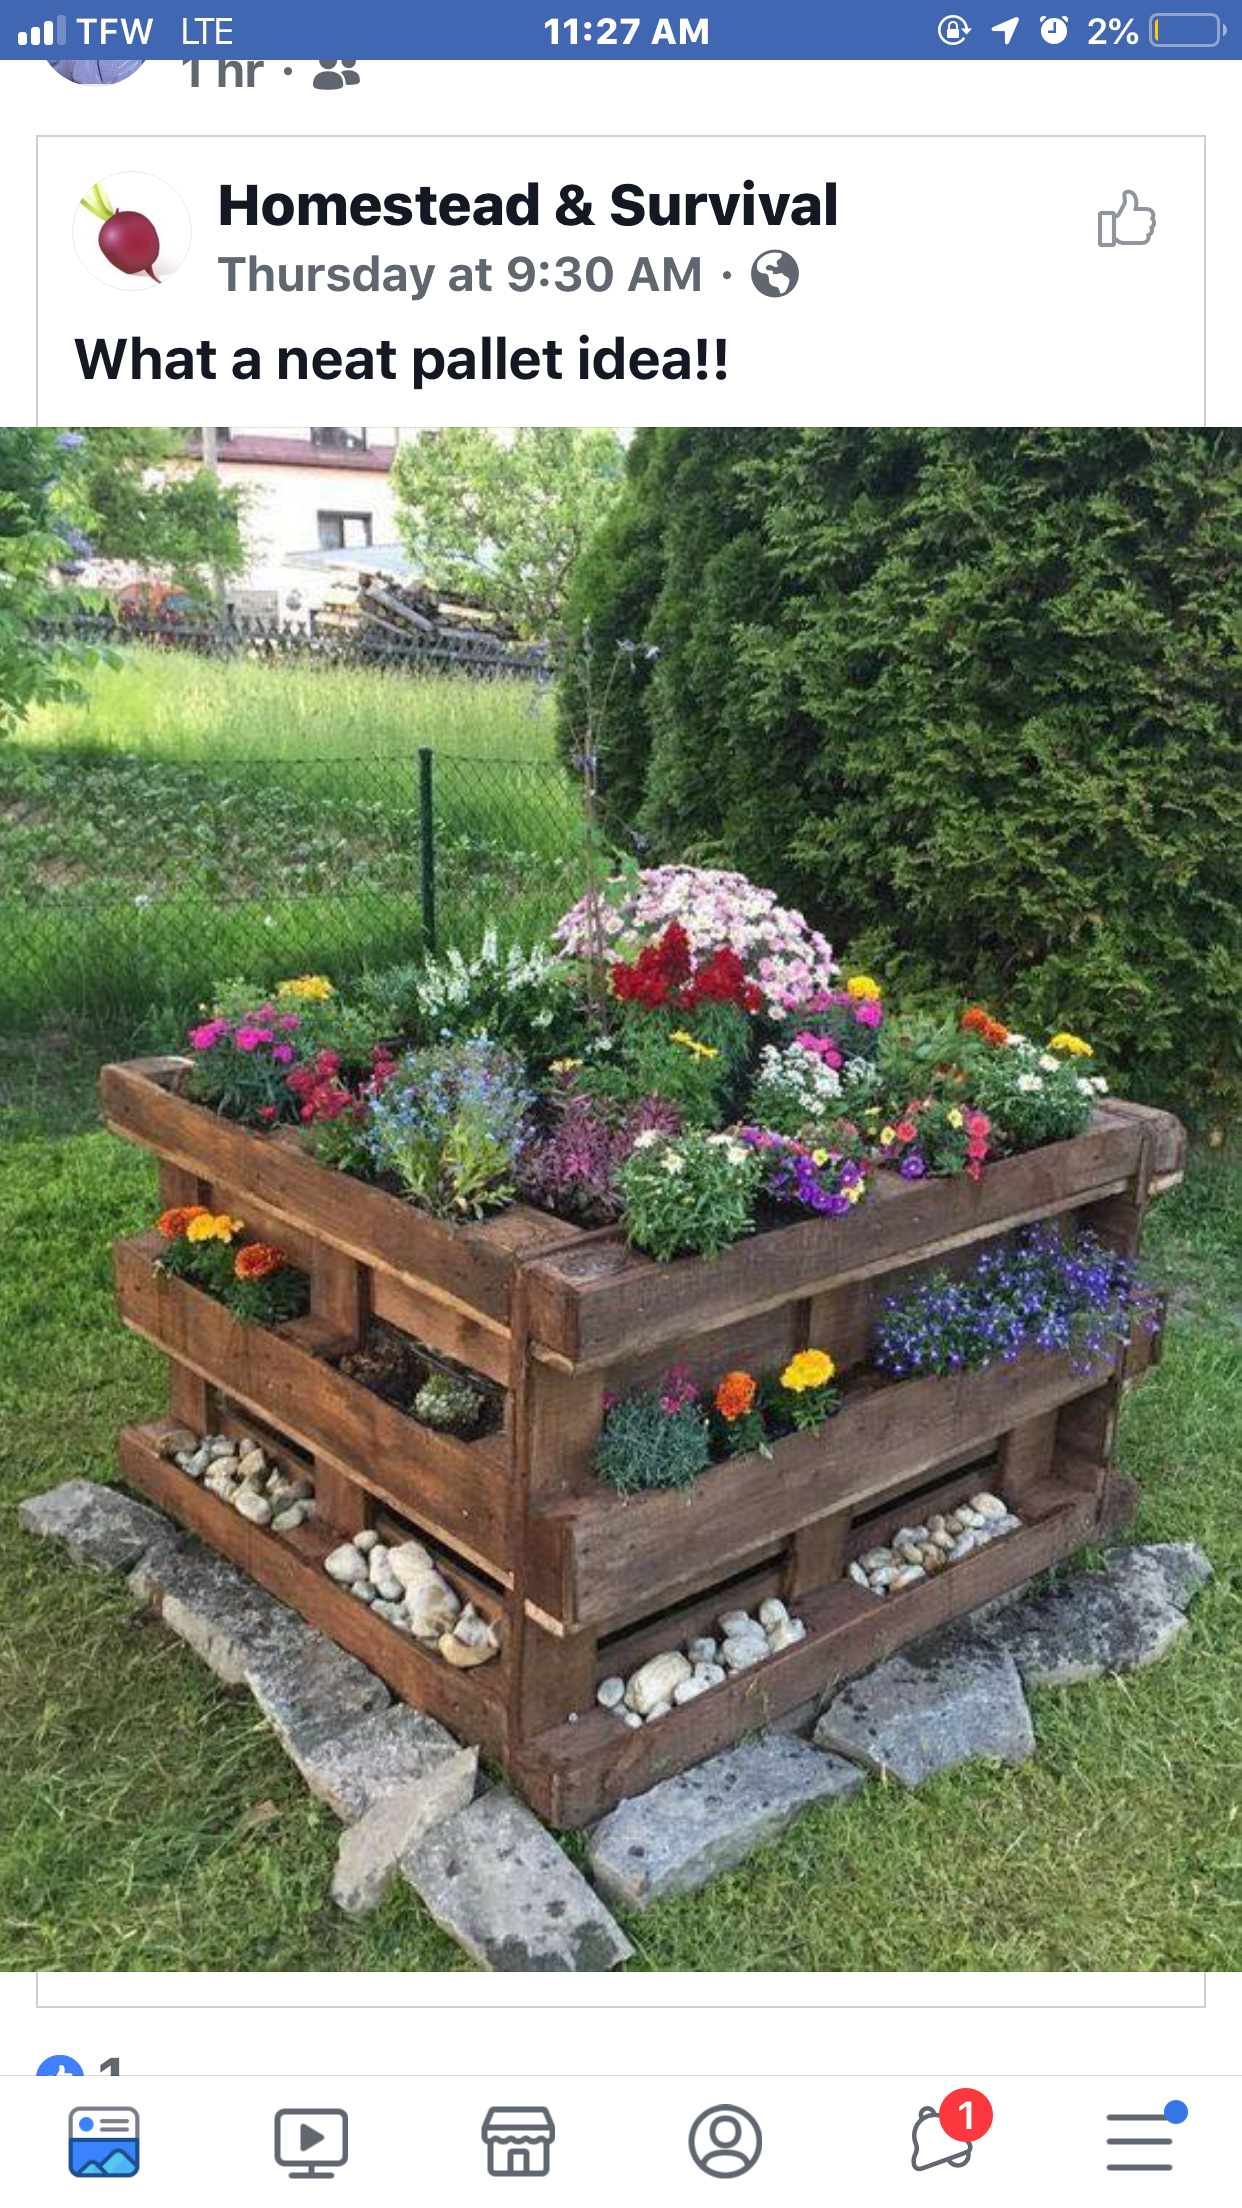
(298, 452)
(518, 2124)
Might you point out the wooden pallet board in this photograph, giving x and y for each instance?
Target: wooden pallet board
(581, 1581)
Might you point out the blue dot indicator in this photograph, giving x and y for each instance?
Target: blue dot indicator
(86, 2123)
(1175, 2112)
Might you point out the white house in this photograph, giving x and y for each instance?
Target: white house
(318, 502)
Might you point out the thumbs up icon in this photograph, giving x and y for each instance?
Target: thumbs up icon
(1130, 224)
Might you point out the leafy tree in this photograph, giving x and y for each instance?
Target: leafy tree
(505, 518)
(972, 697)
(33, 665)
(127, 495)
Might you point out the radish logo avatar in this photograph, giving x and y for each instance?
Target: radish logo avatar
(131, 230)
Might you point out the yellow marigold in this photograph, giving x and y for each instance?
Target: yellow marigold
(214, 1226)
(1072, 1045)
(862, 985)
(735, 1395)
(691, 1043)
(312, 988)
(178, 1220)
(811, 1368)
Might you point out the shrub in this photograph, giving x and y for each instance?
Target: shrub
(969, 696)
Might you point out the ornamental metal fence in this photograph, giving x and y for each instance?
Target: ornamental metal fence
(132, 885)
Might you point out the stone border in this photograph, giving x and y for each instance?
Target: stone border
(409, 1794)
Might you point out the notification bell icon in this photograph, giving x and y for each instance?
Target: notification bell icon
(933, 2146)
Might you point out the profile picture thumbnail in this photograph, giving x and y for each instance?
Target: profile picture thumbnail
(95, 72)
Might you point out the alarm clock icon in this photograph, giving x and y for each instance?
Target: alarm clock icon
(1053, 28)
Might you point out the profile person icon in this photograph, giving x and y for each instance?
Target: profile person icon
(725, 2142)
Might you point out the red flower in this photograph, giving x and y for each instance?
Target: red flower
(906, 1130)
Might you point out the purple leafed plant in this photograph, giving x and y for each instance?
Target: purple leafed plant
(573, 1169)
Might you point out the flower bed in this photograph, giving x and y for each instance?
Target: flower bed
(662, 1438)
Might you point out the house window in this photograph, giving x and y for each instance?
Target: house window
(344, 532)
(340, 440)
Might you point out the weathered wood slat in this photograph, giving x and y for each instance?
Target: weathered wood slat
(585, 1302)
(606, 1553)
(575, 1772)
(457, 1489)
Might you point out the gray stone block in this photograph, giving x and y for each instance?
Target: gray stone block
(1177, 1569)
(499, 1885)
(689, 1828)
(387, 1749)
(98, 1525)
(212, 1607)
(1087, 1627)
(370, 1852)
(948, 1700)
(309, 1689)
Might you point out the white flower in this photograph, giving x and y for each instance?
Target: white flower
(647, 1140)
(737, 1154)
(1049, 1063)
(1099, 1084)
(673, 1162)
(1086, 1087)
(1014, 1041)
(1028, 1083)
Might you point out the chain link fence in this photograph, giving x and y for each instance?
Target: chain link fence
(135, 884)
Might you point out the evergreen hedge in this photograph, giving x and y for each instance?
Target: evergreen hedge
(971, 697)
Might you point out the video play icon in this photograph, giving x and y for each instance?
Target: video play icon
(312, 2142)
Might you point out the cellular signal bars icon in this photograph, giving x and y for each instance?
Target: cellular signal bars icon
(37, 37)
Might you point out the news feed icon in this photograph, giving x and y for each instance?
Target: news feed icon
(312, 2142)
(103, 2142)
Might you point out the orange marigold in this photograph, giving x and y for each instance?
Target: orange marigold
(258, 1261)
(735, 1395)
(173, 1222)
(978, 1022)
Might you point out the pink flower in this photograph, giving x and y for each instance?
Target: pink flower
(869, 1012)
(978, 1123)
(267, 1111)
(289, 1020)
(977, 1148)
(203, 1038)
(283, 1054)
(248, 1038)
(906, 1130)
(328, 1063)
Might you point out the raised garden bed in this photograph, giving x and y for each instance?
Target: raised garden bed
(580, 1583)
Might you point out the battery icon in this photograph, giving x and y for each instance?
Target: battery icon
(1186, 30)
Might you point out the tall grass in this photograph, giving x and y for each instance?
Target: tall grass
(179, 706)
(187, 820)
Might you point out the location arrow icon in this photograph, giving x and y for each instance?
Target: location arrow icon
(1008, 28)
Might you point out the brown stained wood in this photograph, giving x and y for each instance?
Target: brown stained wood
(341, 1506)
(177, 1186)
(678, 1622)
(565, 1413)
(1169, 1142)
(761, 1343)
(573, 1774)
(339, 1292)
(585, 1301)
(290, 1567)
(457, 1266)
(457, 1489)
(189, 1399)
(559, 1676)
(816, 1555)
(1025, 1458)
(1088, 1426)
(299, 1244)
(842, 1321)
(623, 1551)
(466, 1337)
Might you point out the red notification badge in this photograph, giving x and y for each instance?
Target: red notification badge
(965, 2114)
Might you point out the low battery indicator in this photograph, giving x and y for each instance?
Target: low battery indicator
(1186, 30)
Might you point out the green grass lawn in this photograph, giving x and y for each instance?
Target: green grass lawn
(186, 820)
(155, 1825)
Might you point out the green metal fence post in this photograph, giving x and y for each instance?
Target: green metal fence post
(427, 843)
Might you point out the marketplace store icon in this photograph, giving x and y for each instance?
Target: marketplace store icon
(518, 2141)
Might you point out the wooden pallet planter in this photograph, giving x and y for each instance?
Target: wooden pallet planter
(580, 1581)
